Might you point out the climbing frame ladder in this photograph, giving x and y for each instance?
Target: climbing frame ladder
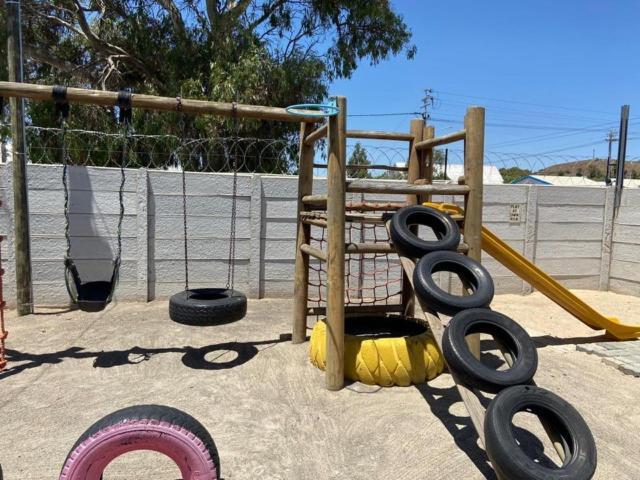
(332, 211)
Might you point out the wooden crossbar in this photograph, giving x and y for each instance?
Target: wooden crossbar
(434, 142)
(364, 186)
(153, 102)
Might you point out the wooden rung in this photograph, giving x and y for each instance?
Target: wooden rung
(313, 251)
(375, 206)
(434, 142)
(366, 167)
(314, 199)
(364, 186)
(349, 217)
(316, 135)
(317, 222)
(321, 200)
(377, 135)
(359, 309)
(355, 248)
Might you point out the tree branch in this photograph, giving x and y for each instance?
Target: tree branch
(174, 13)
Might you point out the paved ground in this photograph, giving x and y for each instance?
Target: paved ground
(265, 405)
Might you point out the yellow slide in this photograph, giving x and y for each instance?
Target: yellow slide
(531, 274)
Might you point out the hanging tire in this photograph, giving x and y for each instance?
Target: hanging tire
(470, 272)
(382, 350)
(409, 244)
(504, 451)
(207, 306)
(144, 427)
(511, 336)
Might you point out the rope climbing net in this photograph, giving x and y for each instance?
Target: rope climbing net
(370, 278)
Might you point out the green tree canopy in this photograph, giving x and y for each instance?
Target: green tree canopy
(512, 174)
(359, 157)
(269, 52)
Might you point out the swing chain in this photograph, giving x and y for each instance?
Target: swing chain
(61, 110)
(232, 232)
(125, 116)
(183, 167)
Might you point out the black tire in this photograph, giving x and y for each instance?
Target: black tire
(409, 244)
(505, 453)
(207, 306)
(511, 336)
(161, 413)
(472, 273)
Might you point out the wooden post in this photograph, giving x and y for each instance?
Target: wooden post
(336, 186)
(473, 173)
(416, 129)
(301, 285)
(24, 294)
(426, 165)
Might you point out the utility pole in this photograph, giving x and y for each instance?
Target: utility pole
(428, 101)
(611, 137)
(22, 246)
(622, 153)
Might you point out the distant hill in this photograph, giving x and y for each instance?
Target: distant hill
(593, 169)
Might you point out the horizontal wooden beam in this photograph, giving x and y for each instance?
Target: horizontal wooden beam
(376, 135)
(434, 142)
(356, 248)
(318, 222)
(349, 217)
(152, 102)
(313, 251)
(368, 186)
(360, 309)
(366, 167)
(316, 135)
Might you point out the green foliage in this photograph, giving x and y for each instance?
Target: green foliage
(263, 52)
(512, 174)
(359, 157)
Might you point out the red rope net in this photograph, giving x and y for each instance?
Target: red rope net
(3, 332)
(370, 278)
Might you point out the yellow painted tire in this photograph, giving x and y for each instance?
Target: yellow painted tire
(384, 361)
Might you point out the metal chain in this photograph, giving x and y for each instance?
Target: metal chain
(65, 168)
(123, 165)
(232, 230)
(183, 167)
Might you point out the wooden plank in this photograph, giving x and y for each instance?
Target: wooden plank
(372, 186)
(153, 102)
(434, 142)
(426, 166)
(303, 236)
(377, 135)
(316, 135)
(336, 175)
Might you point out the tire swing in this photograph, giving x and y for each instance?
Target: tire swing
(382, 350)
(210, 306)
(91, 296)
(162, 429)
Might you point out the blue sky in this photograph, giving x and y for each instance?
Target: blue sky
(561, 65)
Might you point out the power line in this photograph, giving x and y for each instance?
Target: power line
(523, 103)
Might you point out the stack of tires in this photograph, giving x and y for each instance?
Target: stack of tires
(471, 315)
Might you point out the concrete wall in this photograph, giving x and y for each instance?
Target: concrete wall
(565, 230)
(625, 262)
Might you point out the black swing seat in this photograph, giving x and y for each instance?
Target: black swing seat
(91, 296)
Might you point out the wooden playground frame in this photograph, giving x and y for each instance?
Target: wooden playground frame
(419, 188)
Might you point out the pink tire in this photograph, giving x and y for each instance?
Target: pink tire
(144, 427)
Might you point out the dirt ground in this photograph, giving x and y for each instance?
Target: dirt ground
(265, 405)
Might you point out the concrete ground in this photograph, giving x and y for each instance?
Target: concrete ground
(265, 405)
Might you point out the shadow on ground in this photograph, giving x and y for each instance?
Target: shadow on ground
(196, 358)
